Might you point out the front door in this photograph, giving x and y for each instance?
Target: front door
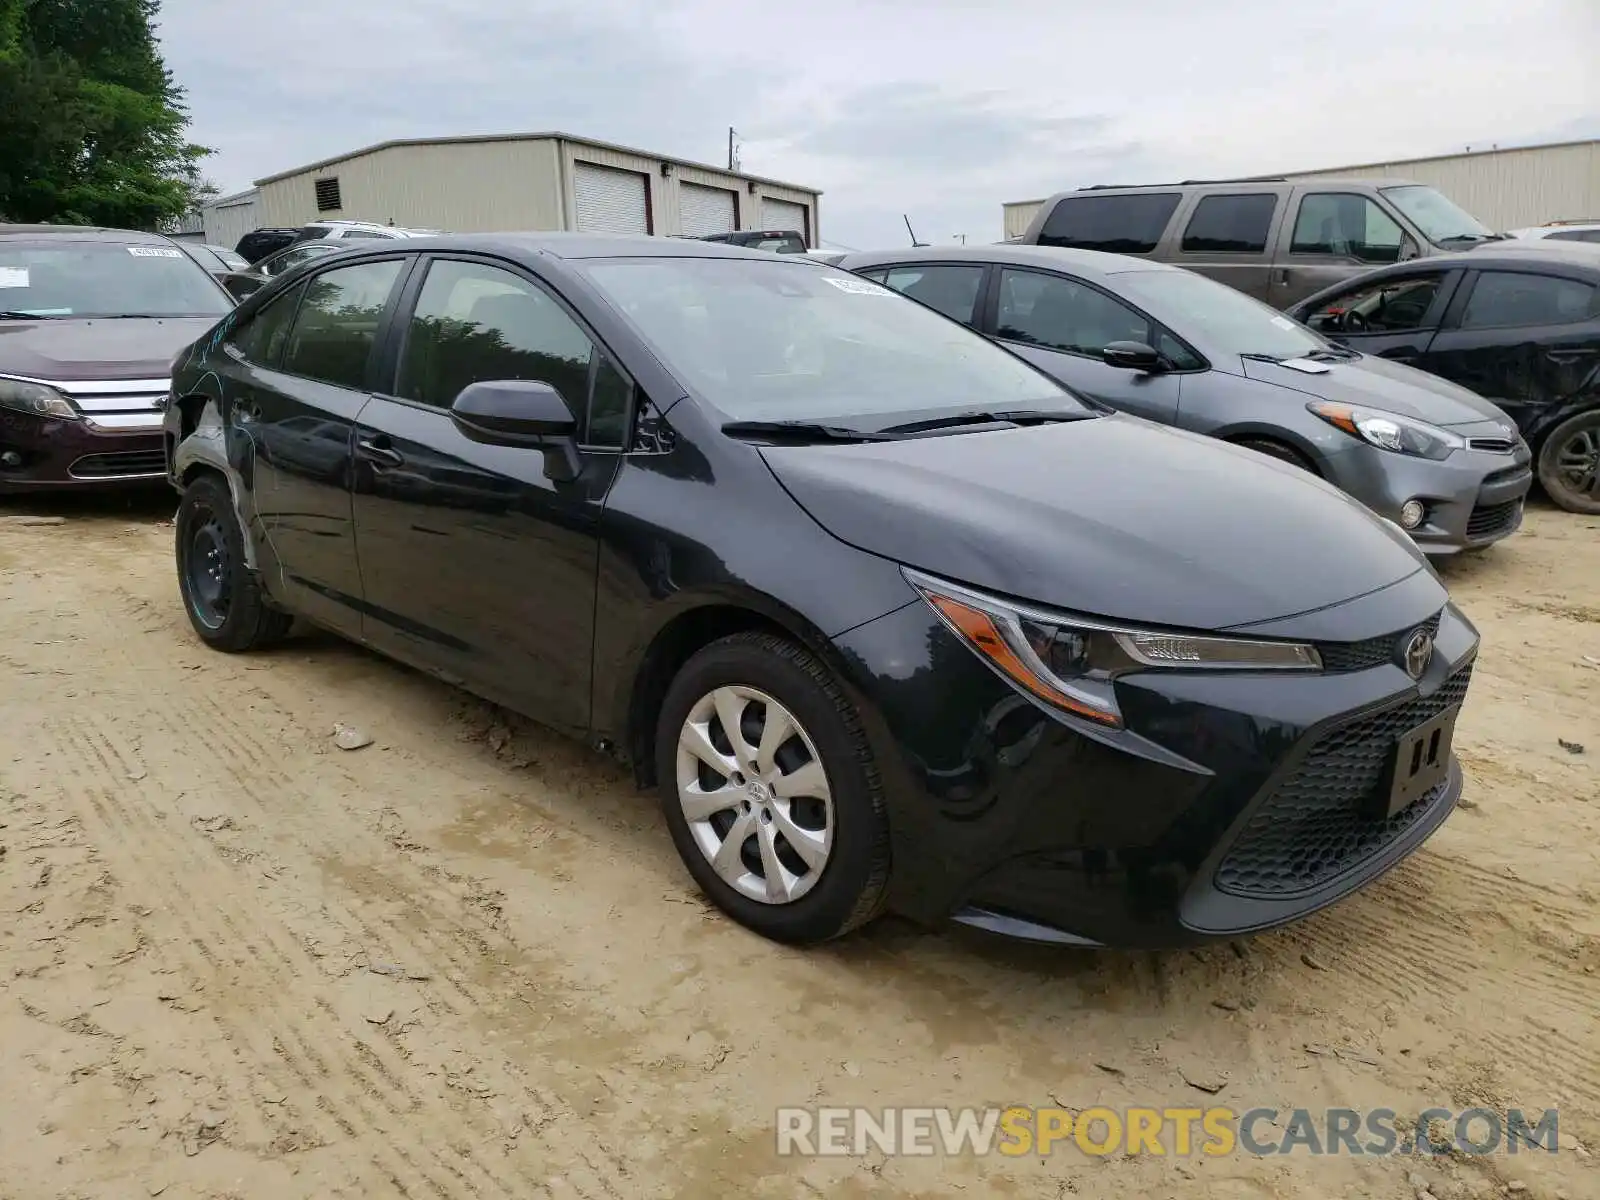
(298, 412)
(474, 562)
(1063, 325)
(1394, 317)
(1330, 237)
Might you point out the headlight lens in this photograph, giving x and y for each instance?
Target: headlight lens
(36, 398)
(1070, 662)
(1390, 431)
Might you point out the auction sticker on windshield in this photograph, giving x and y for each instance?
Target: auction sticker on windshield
(859, 287)
(13, 277)
(154, 252)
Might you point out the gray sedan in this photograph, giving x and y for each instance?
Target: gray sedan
(1172, 346)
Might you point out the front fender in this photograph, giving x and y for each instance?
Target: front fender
(203, 446)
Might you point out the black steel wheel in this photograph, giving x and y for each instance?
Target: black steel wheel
(224, 600)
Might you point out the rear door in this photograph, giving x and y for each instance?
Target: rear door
(1396, 316)
(1226, 235)
(1528, 340)
(475, 564)
(1062, 325)
(298, 412)
(1327, 237)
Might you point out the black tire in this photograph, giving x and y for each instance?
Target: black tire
(852, 884)
(223, 598)
(1575, 483)
(1279, 451)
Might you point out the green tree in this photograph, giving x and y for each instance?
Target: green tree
(92, 126)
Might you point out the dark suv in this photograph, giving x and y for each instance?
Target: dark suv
(90, 320)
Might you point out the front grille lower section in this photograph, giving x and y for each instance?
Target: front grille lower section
(1489, 519)
(1313, 827)
(1373, 652)
(114, 466)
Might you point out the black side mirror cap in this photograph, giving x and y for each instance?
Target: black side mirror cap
(1132, 356)
(521, 412)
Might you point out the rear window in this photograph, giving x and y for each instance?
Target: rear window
(1114, 224)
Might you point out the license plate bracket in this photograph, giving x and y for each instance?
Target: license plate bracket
(1419, 762)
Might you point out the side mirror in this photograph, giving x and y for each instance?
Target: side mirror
(521, 412)
(1132, 356)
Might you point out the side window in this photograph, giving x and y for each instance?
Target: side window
(1175, 352)
(1063, 314)
(474, 322)
(1503, 298)
(1347, 225)
(1115, 224)
(1391, 306)
(262, 338)
(951, 290)
(338, 323)
(1230, 224)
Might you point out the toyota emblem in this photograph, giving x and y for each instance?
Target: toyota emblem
(1418, 653)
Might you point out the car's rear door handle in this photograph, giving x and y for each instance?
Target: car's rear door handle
(380, 450)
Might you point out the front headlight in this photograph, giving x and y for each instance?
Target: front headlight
(36, 399)
(1070, 662)
(1390, 431)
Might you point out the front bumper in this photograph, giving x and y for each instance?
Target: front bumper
(1231, 803)
(53, 454)
(1472, 499)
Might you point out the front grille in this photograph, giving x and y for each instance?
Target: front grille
(109, 466)
(1313, 827)
(1489, 519)
(1494, 445)
(1358, 656)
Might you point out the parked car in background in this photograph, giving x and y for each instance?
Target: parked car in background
(356, 230)
(247, 282)
(775, 241)
(1561, 231)
(1172, 346)
(219, 260)
(258, 243)
(1517, 323)
(1275, 239)
(89, 322)
(736, 516)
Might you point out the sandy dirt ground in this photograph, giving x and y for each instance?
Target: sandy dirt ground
(464, 961)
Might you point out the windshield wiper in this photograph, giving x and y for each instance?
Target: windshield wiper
(801, 431)
(17, 315)
(1026, 416)
(1271, 358)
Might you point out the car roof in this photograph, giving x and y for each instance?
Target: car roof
(582, 245)
(1089, 264)
(1102, 189)
(1515, 252)
(88, 233)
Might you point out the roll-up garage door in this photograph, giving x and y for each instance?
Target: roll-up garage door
(703, 210)
(609, 200)
(782, 214)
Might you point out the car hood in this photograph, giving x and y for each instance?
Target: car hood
(71, 350)
(1379, 383)
(1112, 516)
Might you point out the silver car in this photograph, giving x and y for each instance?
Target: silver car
(1163, 343)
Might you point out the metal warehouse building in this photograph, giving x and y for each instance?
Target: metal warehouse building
(1505, 189)
(519, 181)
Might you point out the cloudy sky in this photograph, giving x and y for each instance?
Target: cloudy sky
(942, 109)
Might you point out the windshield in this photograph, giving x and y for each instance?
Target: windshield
(1439, 217)
(1226, 320)
(790, 340)
(70, 277)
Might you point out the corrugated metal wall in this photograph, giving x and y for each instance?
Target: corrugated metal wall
(231, 218)
(503, 184)
(463, 187)
(1505, 189)
(1018, 214)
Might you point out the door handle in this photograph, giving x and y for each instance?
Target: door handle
(379, 450)
(1283, 274)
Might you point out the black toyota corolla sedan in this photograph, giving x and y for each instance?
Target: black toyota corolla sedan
(889, 618)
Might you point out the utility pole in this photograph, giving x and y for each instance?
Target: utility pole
(733, 154)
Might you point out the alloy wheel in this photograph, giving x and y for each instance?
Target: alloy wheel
(1578, 462)
(754, 794)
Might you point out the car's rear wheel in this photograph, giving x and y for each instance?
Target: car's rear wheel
(1279, 451)
(1569, 463)
(770, 792)
(223, 598)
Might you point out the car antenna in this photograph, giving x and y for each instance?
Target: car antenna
(906, 217)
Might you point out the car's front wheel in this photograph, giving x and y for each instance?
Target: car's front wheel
(770, 791)
(1569, 463)
(224, 600)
